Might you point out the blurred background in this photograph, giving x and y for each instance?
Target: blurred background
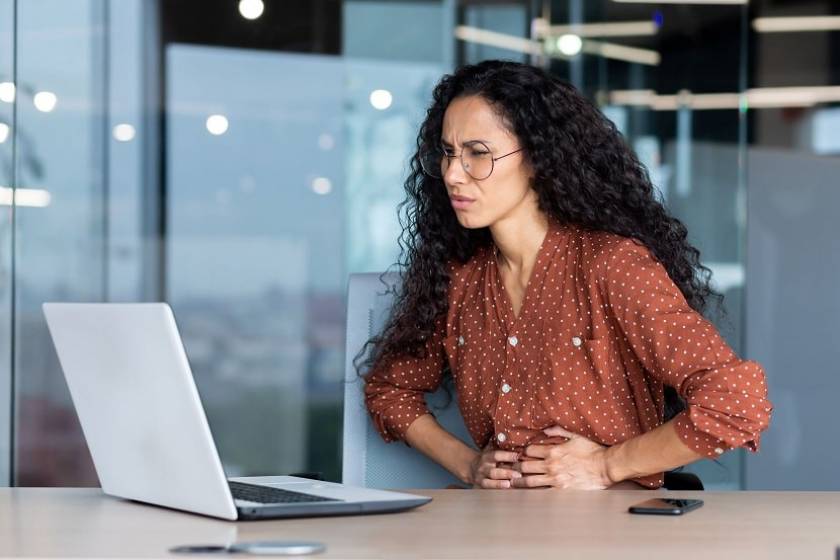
(239, 159)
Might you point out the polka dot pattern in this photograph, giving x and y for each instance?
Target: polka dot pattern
(601, 330)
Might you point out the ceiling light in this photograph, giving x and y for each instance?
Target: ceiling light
(251, 9)
(381, 99)
(499, 40)
(37, 198)
(124, 133)
(7, 92)
(45, 101)
(793, 24)
(569, 44)
(321, 185)
(793, 96)
(528, 46)
(617, 29)
(756, 98)
(217, 124)
(634, 55)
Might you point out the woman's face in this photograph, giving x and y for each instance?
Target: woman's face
(482, 202)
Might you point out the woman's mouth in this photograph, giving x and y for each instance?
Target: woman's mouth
(461, 202)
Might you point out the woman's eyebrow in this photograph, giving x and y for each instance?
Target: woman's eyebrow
(469, 142)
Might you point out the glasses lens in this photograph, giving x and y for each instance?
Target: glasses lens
(478, 161)
(431, 161)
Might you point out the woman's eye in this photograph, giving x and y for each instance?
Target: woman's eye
(478, 153)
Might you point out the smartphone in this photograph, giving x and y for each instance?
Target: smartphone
(665, 506)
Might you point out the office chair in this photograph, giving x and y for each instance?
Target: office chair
(367, 460)
(679, 480)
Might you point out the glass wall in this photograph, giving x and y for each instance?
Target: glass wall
(59, 230)
(78, 219)
(7, 158)
(793, 243)
(255, 259)
(240, 169)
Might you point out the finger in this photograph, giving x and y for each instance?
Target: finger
(559, 431)
(497, 484)
(492, 470)
(503, 474)
(538, 451)
(532, 467)
(532, 481)
(485, 468)
(504, 456)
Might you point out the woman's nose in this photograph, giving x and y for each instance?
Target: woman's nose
(454, 172)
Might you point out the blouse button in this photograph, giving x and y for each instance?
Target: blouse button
(506, 388)
(577, 341)
(718, 450)
(501, 437)
(460, 341)
(513, 341)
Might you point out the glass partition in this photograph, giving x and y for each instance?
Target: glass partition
(59, 233)
(255, 269)
(794, 248)
(7, 151)
(78, 214)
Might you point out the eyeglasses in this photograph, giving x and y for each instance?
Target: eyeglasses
(476, 159)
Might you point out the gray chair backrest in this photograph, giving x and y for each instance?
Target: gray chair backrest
(369, 461)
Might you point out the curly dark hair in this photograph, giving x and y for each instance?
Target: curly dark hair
(583, 173)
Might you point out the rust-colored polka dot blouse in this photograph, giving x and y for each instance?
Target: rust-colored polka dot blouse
(601, 328)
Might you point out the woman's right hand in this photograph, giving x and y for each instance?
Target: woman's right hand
(490, 468)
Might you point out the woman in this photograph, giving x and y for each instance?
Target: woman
(541, 270)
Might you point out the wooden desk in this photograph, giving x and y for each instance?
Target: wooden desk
(516, 524)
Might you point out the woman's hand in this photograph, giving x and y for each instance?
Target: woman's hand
(577, 464)
(491, 468)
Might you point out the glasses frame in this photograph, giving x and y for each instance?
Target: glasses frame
(460, 157)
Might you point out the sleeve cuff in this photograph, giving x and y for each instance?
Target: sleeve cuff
(702, 443)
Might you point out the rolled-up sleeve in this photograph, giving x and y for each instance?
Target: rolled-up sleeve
(395, 395)
(726, 397)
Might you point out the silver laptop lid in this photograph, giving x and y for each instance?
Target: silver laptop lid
(137, 403)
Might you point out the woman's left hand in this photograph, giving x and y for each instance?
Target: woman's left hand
(577, 464)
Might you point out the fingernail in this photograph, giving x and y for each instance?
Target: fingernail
(517, 474)
(505, 484)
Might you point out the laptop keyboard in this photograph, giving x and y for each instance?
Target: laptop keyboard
(272, 495)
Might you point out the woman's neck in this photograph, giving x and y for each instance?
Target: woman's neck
(518, 239)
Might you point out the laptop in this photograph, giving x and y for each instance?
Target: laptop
(142, 418)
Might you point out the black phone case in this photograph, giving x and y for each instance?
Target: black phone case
(675, 510)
